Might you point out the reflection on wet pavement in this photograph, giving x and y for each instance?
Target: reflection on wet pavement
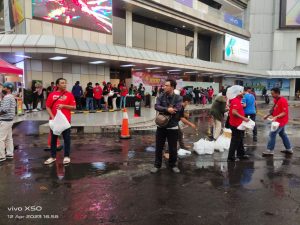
(108, 182)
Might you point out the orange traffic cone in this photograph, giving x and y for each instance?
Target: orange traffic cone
(125, 126)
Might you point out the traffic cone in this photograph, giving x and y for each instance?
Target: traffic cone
(125, 126)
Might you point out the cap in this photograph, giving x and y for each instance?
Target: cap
(9, 85)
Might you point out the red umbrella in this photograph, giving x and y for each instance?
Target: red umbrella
(5, 67)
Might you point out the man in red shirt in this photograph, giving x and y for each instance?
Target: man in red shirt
(236, 117)
(280, 114)
(97, 95)
(64, 101)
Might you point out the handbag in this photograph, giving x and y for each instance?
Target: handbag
(162, 119)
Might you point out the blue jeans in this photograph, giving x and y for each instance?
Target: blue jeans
(123, 98)
(89, 103)
(284, 137)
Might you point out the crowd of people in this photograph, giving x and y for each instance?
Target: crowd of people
(241, 108)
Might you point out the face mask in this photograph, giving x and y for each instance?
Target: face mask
(4, 92)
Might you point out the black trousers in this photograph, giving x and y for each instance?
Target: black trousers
(172, 136)
(237, 143)
(78, 103)
(67, 143)
(253, 117)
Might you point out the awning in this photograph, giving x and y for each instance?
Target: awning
(5, 67)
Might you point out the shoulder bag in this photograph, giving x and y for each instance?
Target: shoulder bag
(162, 119)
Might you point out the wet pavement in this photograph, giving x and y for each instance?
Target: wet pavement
(108, 182)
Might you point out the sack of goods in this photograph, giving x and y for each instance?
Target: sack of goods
(59, 124)
(274, 126)
(204, 146)
(247, 125)
(223, 143)
(182, 152)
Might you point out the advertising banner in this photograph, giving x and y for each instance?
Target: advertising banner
(188, 3)
(236, 49)
(13, 13)
(259, 83)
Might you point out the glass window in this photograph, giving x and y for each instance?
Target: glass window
(161, 40)
(138, 35)
(171, 43)
(189, 47)
(150, 38)
(180, 44)
(119, 31)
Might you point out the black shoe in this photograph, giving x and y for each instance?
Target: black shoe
(244, 157)
(255, 139)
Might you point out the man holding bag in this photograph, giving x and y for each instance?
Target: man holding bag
(64, 101)
(280, 114)
(236, 118)
(169, 104)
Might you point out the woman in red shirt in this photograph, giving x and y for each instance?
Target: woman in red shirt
(124, 92)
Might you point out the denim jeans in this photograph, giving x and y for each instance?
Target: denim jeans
(89, 103)
(123, 99)
(284, 137)
(67, 143)
(97, 103)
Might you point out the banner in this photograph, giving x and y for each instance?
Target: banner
(13, 13)
(148, 79)
(236, 49)
(19, 106)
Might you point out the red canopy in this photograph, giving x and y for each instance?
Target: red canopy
(5, 67)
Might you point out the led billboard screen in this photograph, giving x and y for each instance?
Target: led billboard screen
(290, 13)
(87, 14)
(236, 49)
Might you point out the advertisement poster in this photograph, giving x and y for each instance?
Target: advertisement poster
(292, 13)
(13, 13)
(86, 14)
(236, 49)
(259, 83)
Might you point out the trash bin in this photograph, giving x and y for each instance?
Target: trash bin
(137, 107)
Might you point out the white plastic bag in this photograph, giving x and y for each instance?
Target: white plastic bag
(111, 93)
(204, 146)
(274, 126)
(222, 143)
(246, 125)
(234, 91)
(183, 152)
(59, 124)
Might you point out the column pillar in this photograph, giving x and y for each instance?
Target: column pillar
(195, 44)
(128, 29)
(292, 88)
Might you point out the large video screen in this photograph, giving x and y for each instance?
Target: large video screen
(290, 13)
(87, 14)
(236, 49)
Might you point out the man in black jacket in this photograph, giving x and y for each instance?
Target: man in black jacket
(169, 103)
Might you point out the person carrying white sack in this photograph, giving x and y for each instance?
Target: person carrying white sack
(64, 101)
(236, 118)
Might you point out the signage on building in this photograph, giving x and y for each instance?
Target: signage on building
(236, 49)
(188, 3)
(233, 20)
(290, 11)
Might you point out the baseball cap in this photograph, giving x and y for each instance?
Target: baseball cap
(9, 85)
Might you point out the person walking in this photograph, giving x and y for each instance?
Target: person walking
(78, 93)
(280, 114)
(7, 114)
(170, 104)
(124, 93)
(64, 101)
(186, 100)
(97, 96)
(89, 95)
(249, 104)
(217, 111)
(236, 117)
